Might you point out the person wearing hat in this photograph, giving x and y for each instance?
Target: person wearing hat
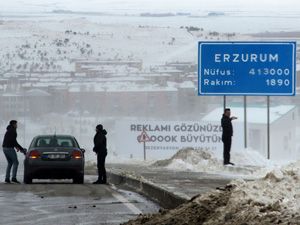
(9, 145)
(101, 151)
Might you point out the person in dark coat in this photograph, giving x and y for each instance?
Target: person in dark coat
(101, 151)
(227, 135)
(9, 145)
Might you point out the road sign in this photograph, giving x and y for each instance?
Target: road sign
(247, 68)
(144, 137)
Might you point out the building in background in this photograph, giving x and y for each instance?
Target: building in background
(282, 129)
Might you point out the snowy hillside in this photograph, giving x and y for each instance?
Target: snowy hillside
(131, 6)
(53, 45)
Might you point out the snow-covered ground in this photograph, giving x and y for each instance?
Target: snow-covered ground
(131, 6)
(248, 163)
(223, 16)
(273, 199)
(53, 45)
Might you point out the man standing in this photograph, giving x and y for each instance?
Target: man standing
(9, 145)
(101, 151)
(227, 135)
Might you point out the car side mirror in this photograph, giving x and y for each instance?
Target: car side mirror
(83, 150)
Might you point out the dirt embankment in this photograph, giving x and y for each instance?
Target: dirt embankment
(272, 200)
(190, 213)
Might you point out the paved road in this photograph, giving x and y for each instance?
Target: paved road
(68, 204)
(63, 203)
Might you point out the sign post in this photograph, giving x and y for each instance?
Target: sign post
(144, 138)
(268, 127)
(245, 122)
(224, 102)
(247, 69)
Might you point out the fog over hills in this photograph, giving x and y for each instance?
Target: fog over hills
(133, 6)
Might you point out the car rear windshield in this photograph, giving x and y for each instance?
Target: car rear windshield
(55, 141)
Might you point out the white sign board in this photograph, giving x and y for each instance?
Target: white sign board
(167, 137)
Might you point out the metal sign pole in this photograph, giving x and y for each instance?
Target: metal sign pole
(268, 125)
(144, 151)
(245, 121)
(144, 143)
(224, 102)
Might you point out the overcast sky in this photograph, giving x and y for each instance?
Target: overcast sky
(151, 5)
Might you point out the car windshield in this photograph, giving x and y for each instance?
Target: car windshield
(55, 141)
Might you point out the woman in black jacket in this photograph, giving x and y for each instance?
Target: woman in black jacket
(101, 151)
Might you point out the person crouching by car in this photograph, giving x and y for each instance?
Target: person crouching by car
(9, 145)
(101, 151)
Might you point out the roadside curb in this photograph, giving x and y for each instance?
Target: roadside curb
(164, 198)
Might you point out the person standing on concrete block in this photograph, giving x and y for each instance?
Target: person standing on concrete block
(227, 135)
(101, 150)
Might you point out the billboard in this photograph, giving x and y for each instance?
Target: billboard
(165, 138)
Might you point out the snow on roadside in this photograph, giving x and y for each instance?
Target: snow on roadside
(247, 162)
(273, 199)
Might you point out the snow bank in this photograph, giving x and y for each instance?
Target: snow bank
(274, 199)
(190, 159)
(247, 162)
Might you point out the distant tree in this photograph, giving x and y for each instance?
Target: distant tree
(214, 33)
(191, 28)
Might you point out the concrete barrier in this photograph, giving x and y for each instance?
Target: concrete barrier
(163, 197)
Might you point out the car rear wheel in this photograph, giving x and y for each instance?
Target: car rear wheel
(27, 179)
(79, 179)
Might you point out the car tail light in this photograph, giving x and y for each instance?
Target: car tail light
(34, 154)
(76, 154)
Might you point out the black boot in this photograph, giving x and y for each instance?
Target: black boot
(7, 180)
(14, 180)
(98, 182)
